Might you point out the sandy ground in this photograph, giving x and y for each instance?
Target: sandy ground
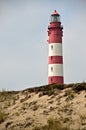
(25, 110)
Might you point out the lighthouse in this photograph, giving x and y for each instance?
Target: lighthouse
(55, 58)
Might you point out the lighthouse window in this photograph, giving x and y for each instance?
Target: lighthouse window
(51, 68)
(51, 47)
(51, 57)
(51, 79)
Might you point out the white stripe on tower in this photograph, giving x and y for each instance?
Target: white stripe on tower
(55, 69)
(55, 49)
(55, 59)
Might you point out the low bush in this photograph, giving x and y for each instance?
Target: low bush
(79, 87)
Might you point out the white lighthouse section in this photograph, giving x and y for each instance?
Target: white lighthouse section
(55, 49)
(55, 70)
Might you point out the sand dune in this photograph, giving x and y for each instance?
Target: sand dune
(24, 110)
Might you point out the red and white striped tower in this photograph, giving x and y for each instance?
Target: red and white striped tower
(55, 59)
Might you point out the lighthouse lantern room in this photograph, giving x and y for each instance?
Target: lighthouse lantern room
(55, 59)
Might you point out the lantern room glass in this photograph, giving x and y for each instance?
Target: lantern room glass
(55, 18)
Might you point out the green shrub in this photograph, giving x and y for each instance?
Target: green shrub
(79, 87)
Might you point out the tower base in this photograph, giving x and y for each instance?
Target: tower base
(56, 79)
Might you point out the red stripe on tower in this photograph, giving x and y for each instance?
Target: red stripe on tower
(55, 59)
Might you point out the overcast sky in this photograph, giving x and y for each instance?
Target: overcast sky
(23, 41)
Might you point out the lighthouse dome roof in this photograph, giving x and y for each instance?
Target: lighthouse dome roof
(55, 13)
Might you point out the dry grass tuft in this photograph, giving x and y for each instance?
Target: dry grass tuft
(3, 116)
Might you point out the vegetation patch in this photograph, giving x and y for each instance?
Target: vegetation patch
(3, 116)
(52, 124)
(79, 87)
